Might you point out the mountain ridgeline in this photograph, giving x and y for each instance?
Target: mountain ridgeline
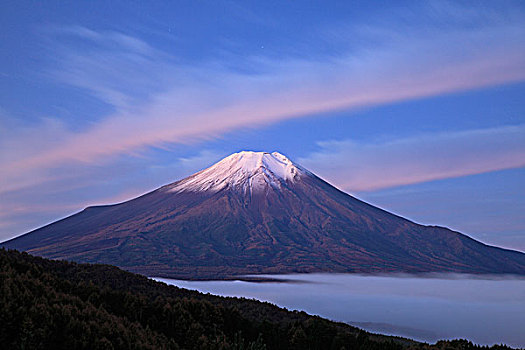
(259, 213)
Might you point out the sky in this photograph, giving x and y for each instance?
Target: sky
(414, 106)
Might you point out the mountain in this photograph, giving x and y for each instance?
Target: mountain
(254, 213)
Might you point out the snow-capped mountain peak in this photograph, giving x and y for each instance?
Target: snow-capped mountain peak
(244, 171)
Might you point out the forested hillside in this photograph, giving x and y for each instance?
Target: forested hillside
(47, 304)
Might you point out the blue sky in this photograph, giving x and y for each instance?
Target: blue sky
(414, 106)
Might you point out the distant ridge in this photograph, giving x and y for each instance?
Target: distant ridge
(258, 212)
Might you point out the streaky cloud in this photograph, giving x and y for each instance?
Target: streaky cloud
(365, 166)
(158, 100)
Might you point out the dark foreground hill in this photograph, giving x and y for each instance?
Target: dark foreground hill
(47, 304)
(256, 212)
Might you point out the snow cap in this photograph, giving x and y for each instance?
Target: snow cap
(245, 171)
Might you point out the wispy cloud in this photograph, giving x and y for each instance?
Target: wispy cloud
(158, 100)
(117, 68)
(364, 166)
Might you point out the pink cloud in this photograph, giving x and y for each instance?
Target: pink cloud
(356, 166)
(198, 103)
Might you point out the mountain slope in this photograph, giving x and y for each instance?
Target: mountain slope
(256, 212)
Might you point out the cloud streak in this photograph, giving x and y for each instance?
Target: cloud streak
(158, 100)
(365, 166)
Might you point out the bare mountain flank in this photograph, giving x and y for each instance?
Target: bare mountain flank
(257, 212)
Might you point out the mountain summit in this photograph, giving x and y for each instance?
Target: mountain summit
(245, 172)
(258, 212)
